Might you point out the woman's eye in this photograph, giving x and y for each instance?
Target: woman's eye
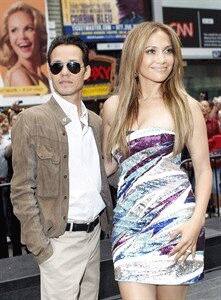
(13, 30)
(169, 50)
(150, 51)
(30, 28)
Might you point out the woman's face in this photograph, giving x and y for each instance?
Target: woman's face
(22, 35)
(158, 58)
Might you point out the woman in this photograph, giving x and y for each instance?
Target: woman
(158, 235)
(23, 46)
(212, 124)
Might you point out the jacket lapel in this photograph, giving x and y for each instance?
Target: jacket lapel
(58, 111)
(96, 130)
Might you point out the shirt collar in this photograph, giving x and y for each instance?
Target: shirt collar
(70, 109)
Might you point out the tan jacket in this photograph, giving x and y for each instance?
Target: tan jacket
(40, 184)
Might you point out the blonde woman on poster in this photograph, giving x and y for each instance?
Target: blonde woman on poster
(23, 45)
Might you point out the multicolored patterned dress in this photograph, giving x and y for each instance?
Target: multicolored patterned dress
(154, 197)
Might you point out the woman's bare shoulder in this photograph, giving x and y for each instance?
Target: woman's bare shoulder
(193, 104)
(111, 103)
(17, 75)
(110, 108)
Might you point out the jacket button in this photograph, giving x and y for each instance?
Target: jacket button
(65, 156)
(65, 197)
(64, 218)
(65, 176)
(63, 133)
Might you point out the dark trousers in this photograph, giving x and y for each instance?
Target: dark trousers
(9, 225)
(14, 231)
(3, 223)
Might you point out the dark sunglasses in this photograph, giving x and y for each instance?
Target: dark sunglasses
(73, 66)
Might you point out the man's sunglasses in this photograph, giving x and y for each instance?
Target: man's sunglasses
(73, 66)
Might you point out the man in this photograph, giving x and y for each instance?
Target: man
(59, 188)
(3, 196)
(14, 226)
(5, 127)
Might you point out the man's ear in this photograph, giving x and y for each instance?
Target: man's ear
(87, 72)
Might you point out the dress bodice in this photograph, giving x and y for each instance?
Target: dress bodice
(146, 147)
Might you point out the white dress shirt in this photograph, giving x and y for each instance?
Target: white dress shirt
(85, 202)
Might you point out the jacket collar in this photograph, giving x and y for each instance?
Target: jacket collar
(58, 111)
(60, 114)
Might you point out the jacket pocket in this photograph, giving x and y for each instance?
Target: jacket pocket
(48, 167)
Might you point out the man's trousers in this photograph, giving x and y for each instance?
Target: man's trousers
(73, 270)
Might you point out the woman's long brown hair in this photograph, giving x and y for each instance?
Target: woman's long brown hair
(173, 91)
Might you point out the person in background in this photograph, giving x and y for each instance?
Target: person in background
(6, 134)
(215, 106)
(23, 44)
(212, 123)
(158, 233)
(13, 119)
(3, 197)
(10, 226)
(62, 197)
(219, 119)
(204, 96)
(14, 226)
(3, 163)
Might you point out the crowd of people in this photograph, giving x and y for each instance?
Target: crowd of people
(211, 110)
(10, 225)
(7, 121)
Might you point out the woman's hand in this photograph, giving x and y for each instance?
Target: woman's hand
(189, 233)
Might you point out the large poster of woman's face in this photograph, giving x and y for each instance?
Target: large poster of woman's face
(23, 47)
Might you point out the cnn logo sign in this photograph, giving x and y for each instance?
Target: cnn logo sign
(183, 29)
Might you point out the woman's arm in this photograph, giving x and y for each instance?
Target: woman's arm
(199, 152)
(198, 148)
(109, 110)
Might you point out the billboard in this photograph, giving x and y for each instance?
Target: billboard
(195, 27)
(198, 24)
(103, 76)
(102, 20)
(23, 46)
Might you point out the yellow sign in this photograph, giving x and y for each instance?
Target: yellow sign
(40, 89)
(94, 90)
(90, 12)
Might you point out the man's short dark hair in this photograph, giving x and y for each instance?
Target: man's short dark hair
(69, 40)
